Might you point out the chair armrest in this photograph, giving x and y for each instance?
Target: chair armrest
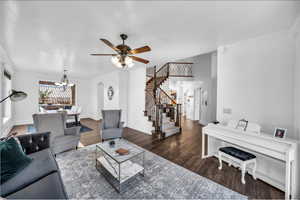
(73, 130)
(34, 142)
(121, 124)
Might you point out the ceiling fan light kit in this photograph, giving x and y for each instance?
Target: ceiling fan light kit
(124, 57)
(122, 62)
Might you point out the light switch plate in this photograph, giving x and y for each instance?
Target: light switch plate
(227, 110)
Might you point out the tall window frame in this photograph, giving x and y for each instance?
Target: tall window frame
(51, 94)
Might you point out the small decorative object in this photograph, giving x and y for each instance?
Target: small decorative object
(110, 92)
(242, 124)
(122, 151)
(112, 143)
(280, 132)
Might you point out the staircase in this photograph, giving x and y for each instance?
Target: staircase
(160, 108)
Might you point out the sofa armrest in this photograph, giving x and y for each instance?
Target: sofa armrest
(121, 124)
(34, 142)
(72, 131)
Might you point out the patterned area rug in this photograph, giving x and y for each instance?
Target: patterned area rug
(163, 180)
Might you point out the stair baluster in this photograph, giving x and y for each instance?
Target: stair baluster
(161, 109)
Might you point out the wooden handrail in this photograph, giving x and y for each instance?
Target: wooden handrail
(150, 80)
(162, 67)
(173, 101)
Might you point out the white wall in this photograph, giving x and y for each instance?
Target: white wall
(204, 70)
(296, 34)
(297, 79)
(255, 81)
(5, 63)
(136, 100)
(118, 79)
(123, 97)
(29, 83)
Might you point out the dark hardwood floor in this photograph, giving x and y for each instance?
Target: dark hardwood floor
(185, 150)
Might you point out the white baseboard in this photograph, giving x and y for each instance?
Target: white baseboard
(22, 122)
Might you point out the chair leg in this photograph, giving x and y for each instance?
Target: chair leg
(220, 160)
(243, 173)
(254, 170)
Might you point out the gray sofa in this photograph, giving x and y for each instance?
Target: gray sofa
(62, 138)
(41, 178)
(111, 125)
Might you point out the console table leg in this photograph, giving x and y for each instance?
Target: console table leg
(288, 178)
(220, 160)
(243, 173)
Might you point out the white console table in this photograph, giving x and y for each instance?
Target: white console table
(281, 149)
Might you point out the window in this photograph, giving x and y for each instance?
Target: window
(6, 105)
(51, 94)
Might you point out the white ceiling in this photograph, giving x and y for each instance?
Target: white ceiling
(45, 35)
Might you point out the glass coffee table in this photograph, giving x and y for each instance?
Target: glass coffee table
(119, 169)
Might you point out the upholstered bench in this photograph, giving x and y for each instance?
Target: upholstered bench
(238, 156)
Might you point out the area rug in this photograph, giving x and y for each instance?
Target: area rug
(163, 180)
(83, 129)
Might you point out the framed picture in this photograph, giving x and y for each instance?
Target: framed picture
(280, 132)
(242, 124)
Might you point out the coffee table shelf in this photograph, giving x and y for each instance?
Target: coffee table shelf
(128, 168)
(119, 169)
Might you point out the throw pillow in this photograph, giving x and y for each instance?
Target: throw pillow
(13, 159)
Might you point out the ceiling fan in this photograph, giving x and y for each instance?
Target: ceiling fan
(123, 58)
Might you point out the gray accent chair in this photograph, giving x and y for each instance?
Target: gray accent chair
(111, 126)
(62, 138)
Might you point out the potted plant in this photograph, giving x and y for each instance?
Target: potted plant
(44, 96)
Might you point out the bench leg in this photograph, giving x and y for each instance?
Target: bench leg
(243, 173)
(254, 170)
(220, 160)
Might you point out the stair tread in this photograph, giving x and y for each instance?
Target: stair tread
(172, 128)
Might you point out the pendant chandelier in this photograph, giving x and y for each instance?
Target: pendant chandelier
(64, 82)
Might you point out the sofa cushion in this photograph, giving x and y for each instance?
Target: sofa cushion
(13, 159)
(43, 163)
(49, 187)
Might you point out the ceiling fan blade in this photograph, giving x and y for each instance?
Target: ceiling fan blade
(140, 50)
(102, 54)
(108, 43)
(139, 59)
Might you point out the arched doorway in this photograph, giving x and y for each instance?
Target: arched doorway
(100, 99)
